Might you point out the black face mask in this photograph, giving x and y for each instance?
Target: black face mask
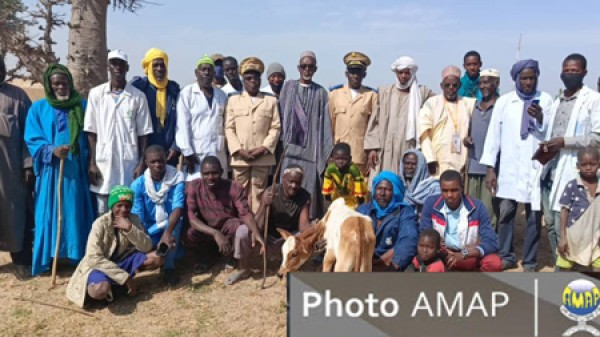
(572, 81)
(276, 88)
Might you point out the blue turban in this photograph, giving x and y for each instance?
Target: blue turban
(397, 198)
(515, 73)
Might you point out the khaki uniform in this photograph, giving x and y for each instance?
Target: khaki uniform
(349, 119)
(248, 126)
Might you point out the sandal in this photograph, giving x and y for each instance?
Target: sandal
(238, 276)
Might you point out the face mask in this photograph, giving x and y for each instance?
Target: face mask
(277, 88)
(572, 80)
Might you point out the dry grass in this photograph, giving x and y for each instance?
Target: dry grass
(200, 306)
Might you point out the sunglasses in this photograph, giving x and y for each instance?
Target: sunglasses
(307, 66)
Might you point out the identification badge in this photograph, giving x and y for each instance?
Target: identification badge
(456, 143)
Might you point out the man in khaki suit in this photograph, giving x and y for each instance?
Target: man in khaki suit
(350, 107)
(252, 129)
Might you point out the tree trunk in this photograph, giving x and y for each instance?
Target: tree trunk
(87, 44)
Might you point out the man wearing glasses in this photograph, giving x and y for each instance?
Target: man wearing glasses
(307, 128)
(350, 107)
(443, 124)
(252, 129)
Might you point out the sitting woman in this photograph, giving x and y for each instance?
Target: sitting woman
(414, 174)
(117, 248)
(394, 222)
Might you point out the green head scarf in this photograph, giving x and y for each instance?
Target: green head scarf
(119, 193)
(73, 104)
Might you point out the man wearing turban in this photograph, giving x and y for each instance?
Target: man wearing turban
(161, 94)
(444, 123)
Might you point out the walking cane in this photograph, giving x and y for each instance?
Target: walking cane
(59, 227)
(266, 221)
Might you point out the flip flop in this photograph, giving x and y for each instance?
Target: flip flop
(238, 276)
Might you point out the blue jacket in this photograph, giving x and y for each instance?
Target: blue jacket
(475, 227)
(164, 136)
(398, 231)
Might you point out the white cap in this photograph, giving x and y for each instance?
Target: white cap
(489, 72)
(117, 54)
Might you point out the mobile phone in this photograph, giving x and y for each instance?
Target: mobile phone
(536, 102)
(162, 250)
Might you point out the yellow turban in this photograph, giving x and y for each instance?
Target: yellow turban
(161, 86)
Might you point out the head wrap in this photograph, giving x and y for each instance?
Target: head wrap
(119, 193)
(73, 104)
(450, 71)
(308, 53)
(397, 198)
(515, 73)
(422, 185)
(275, 68)
(414, 101)
(161, 86)
(205, 60)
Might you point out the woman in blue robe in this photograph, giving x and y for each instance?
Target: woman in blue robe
(53, 130)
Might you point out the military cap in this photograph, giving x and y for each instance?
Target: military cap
(252, 64)
(356, 59)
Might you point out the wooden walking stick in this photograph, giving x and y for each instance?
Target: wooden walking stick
(266, 221)
(59, 226)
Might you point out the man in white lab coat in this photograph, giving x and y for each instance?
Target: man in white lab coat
(200, 121)
(515, 131)
(574, 124)
(117, 121)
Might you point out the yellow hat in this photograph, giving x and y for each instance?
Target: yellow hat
(251, 64)
(217, 57)
(356, 59)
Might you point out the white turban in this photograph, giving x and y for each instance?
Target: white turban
(414, 103)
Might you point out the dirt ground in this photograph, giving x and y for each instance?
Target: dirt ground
(200, 306)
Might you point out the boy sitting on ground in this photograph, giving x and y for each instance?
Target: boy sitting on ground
(428, 259)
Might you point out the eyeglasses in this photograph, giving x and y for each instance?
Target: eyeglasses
(307, 66)
(450, 85)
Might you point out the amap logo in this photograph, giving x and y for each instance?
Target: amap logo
(581, 303)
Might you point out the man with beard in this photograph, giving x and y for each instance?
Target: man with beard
(276, 77)
(252, 130)
(234, 84)
(392, 128)
(574, 124)
(200, 120)
(118, 123)
(489, 80)
(307, 128)
(220, 219)
(515, 131)
(444, 123)
(161, 94)
(16, 176)
(350, 108)
(54, 132)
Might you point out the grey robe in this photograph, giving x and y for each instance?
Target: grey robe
(14, 158)
(313, 150)
(386, 131)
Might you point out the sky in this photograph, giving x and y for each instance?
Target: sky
(435, 33)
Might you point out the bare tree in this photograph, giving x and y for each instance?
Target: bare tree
(87, 40)
(33, 53)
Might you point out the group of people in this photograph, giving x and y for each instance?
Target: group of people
(146, 168)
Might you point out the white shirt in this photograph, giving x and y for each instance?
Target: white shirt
(267, 89)
(117, 126)
(200, 128)
(517, 179)
(229, 89)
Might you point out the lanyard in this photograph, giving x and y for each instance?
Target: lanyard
(453, 116)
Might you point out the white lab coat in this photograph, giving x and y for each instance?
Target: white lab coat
(267, 88)
(518, 178)
(200, 128)
(229, 89)
(117, 126)
(585, 119)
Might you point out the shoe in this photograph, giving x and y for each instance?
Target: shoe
(508, 265)
(170, 277)
(22, 272)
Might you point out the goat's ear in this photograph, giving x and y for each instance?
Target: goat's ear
(284, 234)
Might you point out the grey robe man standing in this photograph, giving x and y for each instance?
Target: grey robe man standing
(16, 176)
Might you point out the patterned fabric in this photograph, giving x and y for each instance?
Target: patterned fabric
(228, 201)
(349, 185)
(576, 198)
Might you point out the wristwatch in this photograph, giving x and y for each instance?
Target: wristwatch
(464, 252)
